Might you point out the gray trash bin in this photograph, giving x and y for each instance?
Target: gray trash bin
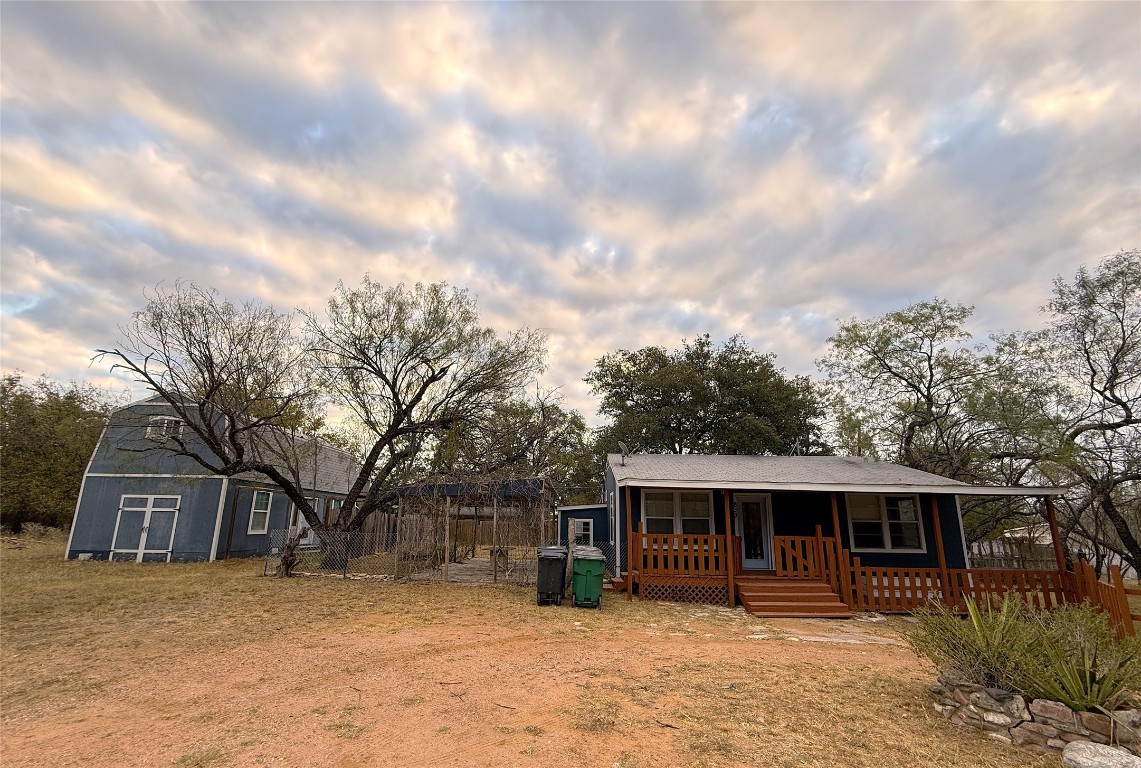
(552, 576)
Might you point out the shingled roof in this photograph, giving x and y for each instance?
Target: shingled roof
(794, 473)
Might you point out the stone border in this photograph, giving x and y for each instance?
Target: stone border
(1042, 725)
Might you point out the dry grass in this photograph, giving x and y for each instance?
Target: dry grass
(345, 673)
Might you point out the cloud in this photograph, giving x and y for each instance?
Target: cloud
(619, 175)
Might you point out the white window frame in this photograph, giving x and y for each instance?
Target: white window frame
(250, 530)
(162, 428)
(583, 526)
(147, 508)
(677, 531)
(885, 530)
(613, 518)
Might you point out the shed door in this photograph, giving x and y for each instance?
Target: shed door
(144, 528)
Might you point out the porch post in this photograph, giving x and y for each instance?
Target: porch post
(843, 574)
(944, 576)
(1055, 535)
(629, 547)
(730, 557)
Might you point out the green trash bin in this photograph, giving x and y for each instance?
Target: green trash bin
(586, 579)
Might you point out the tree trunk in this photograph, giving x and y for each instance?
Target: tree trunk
(289, 557)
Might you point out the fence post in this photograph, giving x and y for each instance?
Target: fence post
(729, 554)
(396, 548)
(858, 578)
(1122, 599)
(345, 554)
(818, 555)
(447, 535)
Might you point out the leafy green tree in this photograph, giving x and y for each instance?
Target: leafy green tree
(704, 398)
(47, 434)
(524, 438)
(914, 390)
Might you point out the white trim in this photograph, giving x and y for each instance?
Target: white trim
(218, 518)
(962, 533)
(757, 485)
(82, 485)
(885, 530)
(141, 550)
(573, 535)
(580, 506)
(163, 428)
(612, 518)
(677, 512)
(268, 513)
(740, 528)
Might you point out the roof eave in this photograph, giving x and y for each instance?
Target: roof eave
(956, 489)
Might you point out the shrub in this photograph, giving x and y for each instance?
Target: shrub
(1069, 655)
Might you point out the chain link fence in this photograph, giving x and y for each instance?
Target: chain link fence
(425, 542)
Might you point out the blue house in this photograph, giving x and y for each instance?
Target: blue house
(794, 535)
(140, 502)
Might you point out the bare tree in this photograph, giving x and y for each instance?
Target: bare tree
(412, 364)
(1097, 331)
(407, 364)
(234, 375)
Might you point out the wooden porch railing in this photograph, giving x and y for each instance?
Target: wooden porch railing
(675, 554)
(890, 590)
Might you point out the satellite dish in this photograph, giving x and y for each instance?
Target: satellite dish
(625, 451)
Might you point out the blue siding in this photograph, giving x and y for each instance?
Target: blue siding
(98, 510)
(125, 449)
(236, 541)
(600, 514)
(797, 513)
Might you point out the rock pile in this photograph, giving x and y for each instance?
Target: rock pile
(1040, 724)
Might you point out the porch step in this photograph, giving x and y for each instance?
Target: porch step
(774, 597)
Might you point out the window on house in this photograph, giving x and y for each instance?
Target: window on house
(658, 511)
(259, 512)
(689, 512)
(164, 428)
(884, 522)
(584, 532)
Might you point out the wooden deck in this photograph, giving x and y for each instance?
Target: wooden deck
(815, 576)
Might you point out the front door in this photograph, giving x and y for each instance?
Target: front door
(755, 527)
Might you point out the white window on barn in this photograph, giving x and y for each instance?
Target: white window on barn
(164, 428)
(884, 523)
(584, 532)
(687, 512)
(259, 512)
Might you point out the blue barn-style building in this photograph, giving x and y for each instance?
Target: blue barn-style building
(140, 502)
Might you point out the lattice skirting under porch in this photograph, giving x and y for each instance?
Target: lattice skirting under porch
(683, 589)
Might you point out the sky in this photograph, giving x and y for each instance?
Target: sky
(619, 175)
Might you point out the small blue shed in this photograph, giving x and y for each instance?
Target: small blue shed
(141, 502)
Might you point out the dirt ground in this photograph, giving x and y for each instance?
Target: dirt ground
(212, 665)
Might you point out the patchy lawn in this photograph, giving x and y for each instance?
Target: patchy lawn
(212, 665)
